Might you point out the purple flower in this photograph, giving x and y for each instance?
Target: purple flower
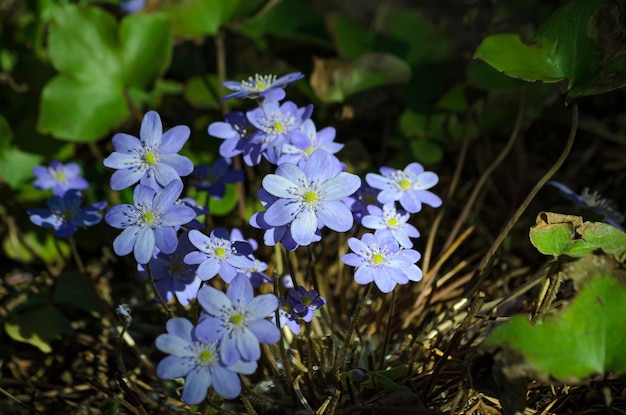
(361, 199)
(408, 186)
(234, 132)
(382, 261)
(59, 177)
(309, 194)
(303, 145)
(276, 125)
(287, 316)
(275, 234)
(199, 362)
(305, 302)
(218, 254)
(238, 319)
(132, 6)
(214, 178)
(593, 202)
(390, 223)
(150, 222)
(65, 214)
(172, 276)
(152, 160)
(266, 86)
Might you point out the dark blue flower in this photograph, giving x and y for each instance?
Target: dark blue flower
(214, 178)
(591, 202)
(65, 214)
(305, 302)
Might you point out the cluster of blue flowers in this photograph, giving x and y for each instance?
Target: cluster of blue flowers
(310, 190)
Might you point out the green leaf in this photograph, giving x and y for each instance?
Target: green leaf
(351, 39)
(552, 239)
(203, 92)
(580, 42)
(97, 67)
(147, 47)
(16, 166)
(38, 326)
(73, 289)
(586, 338)
(225, 205)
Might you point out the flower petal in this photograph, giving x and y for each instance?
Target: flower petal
(303, 227)
(261, 306)
(336, 215)
(173, 367)
(213, 301)
(240, 290)
(151, 129)
(281, 212)
(165, 239)
(144, 245)
(265, 331)
(226, 383)
(341, 186)
(174, 139)
(248, 346)
(174, 345)
(125, 241)
(197, 385)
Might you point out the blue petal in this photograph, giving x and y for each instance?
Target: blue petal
(178, 215)
(262, 306)
(151, 129)
(120, 216)
(279, 185)
(198, 239)
(207, 269)
(377, 181)
(228, 350)
(364, 274)
(181, 164)
(226, 383)
(168, 196)
(181, 327)
(173, 345)
(121, 161)
(143, 195)
(174, 139)
(281, 212)
(125, 143)
(125, 241)
(336, 215)
(248, 346)
(121, 179)
(173, 367)
(213, 301)
(240, 290)
(165, 239)
(197, 385)
(341, 186)
(317, 167)
(265, 331)
(426, 180)
(303, 227)
(144, 245)
(210, 329)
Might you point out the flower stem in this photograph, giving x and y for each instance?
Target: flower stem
(341, 356)
(75, 255)
(157, 293)
(392, 311)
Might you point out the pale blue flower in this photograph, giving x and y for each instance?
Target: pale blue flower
(407, 186)
(266, 86)
(308, 195)
(199, 362)
(382, 261)
(390, 223)
(151, 160)
(59, 177)
(238, 319)
(150, 222)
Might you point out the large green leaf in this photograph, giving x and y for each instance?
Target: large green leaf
(580, 42)
(38, 326)
(585, 339)
(97, 68)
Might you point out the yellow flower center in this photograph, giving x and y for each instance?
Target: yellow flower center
(405, 184)
(392, 222)
(378, 259)
(150, 158)
(309, 150)
(279, 127)
(310, 196)
(59, 176)
(205, 356)
(237, 319)
(220, 251)
(148, 217)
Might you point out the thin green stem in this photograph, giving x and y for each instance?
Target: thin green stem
(341, 356)
(75, 255)
(479, 273)
(392, 311)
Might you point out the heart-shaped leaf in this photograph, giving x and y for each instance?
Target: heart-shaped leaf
(97, 67)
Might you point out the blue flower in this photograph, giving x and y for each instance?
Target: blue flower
(59, 177)
(287, 316)
(218, 254)
(173, 277)
(266, 86)
(305, 302)
(152, 160)
(235, 133)
(303, 145)
(361, 199)
(309, 194)
(238, 319)
(150, 222)
(390, 223)
(214, 178)
(132, 6)
(382, 261)
(407, 186)
(591, 202)
(276, 125)
(65, 214)
(275, 234)
(199, 362)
